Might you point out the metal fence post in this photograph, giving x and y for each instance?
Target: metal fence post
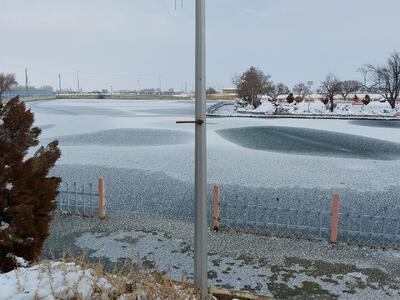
(75, 198)
(68, 210)
(83, 198)
(216, 219)
(102, 198)
(348, 229)
(320, 224)
(397, 233)
(335, 218)
(383, 231)
(91, 199)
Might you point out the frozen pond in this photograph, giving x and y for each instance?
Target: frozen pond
(147, 158)
(311, 142)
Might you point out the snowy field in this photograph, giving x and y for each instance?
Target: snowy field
(143, 154)
(314, 108)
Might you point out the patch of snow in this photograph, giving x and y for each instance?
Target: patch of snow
(4, 225)
(53, 280)
(60, 280)
(21, 262)
(9, 186)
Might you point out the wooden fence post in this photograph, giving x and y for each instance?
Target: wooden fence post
(102, 198)
(335, 218)
(216, 191)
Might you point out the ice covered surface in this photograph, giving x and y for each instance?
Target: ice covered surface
(128, 137)
(311, 142)
(291, 175)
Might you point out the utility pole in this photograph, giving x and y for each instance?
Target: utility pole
(200, 232)
(159, 82)
(77, 81)
(138, 85)
(59, 82)
(26, 79)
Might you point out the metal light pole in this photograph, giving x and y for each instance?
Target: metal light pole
(200, 168)
(200, 243)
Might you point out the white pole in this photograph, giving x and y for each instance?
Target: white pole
(200, 245)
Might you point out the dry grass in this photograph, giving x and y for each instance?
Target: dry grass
(221, 97)
(125, 281)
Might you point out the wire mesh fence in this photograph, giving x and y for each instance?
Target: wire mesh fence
(235, 213)
(78, 199)
(354, 228)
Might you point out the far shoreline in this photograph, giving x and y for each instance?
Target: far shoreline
(212, 114)
(122, 97)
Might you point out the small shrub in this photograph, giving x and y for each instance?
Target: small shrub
(290, 98)
(26, 193)
(298, 99)
(325, 100)
(366, 100)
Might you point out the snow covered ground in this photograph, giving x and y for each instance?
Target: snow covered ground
(60, 280)
(374, 109)
(282, 268)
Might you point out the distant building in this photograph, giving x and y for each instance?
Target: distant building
(169, 92)
(229, 91)
(148, 92)
(30, 92)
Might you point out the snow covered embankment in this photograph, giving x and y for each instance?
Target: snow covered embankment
(68, 280)
(316, 108)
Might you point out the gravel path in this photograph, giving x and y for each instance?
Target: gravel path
(261, 264)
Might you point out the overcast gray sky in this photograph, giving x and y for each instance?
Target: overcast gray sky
(111, 42)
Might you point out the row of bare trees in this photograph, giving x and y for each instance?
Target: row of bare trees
(378, 79)
(382, 79)
(332, 86)
(253, 83)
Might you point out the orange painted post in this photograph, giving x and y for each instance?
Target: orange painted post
(335, 217)
(102, 198)
(216, 191)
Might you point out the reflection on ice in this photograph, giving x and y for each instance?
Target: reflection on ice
(128, 137)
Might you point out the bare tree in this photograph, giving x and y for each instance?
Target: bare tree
(349, 86)
(364, 72)
(277, 90)
(252, 84)
(6, 83)
(302, 90)
(330, 87)
(385, 80)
